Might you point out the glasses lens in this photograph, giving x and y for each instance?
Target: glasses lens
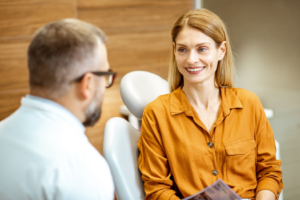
(108, 79)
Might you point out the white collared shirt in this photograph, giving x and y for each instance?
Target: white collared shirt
(45, 155)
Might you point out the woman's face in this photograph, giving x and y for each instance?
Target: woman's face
(197, 56)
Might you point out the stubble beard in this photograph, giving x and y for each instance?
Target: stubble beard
(93, 113)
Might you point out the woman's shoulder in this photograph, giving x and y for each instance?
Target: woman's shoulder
(248, 100)
(161, 103)
(243, 94)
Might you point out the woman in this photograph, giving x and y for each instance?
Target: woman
(206, 129)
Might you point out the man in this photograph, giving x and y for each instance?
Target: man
(44, 153)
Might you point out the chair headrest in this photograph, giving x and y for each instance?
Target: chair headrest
(138, 88)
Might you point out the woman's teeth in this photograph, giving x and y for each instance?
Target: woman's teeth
(195, 69)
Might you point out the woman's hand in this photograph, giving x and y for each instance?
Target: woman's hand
(265, 195)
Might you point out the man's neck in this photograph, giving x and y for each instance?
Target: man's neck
(68, 101)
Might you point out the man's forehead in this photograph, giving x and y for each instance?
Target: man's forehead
(101, 54)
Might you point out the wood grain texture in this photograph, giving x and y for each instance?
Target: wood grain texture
(13, 63)
(114, 3)
(139, 51)
(19, 18)
(18, 22)
(10, 100)
(109, 3)
(143, 17)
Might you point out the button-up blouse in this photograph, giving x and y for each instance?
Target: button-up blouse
(179, 157)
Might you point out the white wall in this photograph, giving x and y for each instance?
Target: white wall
(265, 37)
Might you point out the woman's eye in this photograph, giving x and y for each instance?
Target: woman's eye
(202, 49)
(181, 50)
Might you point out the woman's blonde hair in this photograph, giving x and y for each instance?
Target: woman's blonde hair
(211, 25)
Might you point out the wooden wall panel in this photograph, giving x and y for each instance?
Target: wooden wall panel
(144, 17)
(18, 22)
(13, 74)
(139, 51)
(115, 3)
(13, 63)
(108, 3)
(19, 18)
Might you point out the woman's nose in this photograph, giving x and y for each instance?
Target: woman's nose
(192, 57)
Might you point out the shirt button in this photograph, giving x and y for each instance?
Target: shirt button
(210, 144)
(215, 172)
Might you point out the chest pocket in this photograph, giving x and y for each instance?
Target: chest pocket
(241, 162)
(240, 147)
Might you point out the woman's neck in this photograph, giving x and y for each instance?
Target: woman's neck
(202, 95)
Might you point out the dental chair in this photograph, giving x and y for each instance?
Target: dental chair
(120, 139)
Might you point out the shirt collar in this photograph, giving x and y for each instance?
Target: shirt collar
(49, 106)
(179, 102)
(229, 100)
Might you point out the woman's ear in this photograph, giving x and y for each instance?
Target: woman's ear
(222, 50)
(85, 86)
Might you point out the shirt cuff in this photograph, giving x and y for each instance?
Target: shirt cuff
(269, 184)
(174, 197)
(169, 194)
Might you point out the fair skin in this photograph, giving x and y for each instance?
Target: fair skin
(83, 93)
(197, 57)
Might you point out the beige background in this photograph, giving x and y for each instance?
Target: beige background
(265, 36)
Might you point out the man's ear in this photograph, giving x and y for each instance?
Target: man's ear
(222, 50)
(84, 87)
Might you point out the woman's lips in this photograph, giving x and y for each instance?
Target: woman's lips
(194, 70)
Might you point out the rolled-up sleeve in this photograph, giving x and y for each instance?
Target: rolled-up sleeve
(268, 172)
(153, 162)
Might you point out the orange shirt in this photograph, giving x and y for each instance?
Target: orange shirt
(178, 157)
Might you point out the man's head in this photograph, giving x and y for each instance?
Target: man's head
(59, 53)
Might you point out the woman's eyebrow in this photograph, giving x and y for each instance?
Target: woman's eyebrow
(199, 44)
(203, 43)
(179, 44)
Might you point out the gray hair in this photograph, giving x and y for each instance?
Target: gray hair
(59, 53)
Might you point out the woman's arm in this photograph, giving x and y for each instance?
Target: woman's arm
(268, 172)
(153, 162)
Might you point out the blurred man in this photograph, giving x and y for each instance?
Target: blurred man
(44, 153)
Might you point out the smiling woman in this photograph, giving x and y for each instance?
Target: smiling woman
(206, 129)
(192, 46)
(212, 36)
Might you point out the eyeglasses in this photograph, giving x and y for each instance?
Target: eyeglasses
(110, 76)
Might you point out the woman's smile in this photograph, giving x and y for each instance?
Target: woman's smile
(194, 70)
